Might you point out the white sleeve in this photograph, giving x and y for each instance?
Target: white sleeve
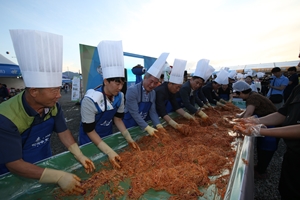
(88, 110)
(253, 87)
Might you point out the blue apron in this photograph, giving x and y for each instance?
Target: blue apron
(104, 123)
(224, 96)
(35, 143)
(169, 107)
(144, 108)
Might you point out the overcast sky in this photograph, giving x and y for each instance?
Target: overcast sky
(227, 32)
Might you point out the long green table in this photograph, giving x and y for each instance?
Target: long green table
(15, 187)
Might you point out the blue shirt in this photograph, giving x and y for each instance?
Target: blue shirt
(277, 82)
(133, 98)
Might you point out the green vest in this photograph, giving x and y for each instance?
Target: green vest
(13, 110)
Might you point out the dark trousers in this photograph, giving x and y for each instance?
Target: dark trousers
(266, 147)
(290, 176)
(263, 160)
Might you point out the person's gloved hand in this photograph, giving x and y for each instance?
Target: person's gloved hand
(248, 120)
(114, 158)
(130, 141)
(151, 131)
(174, 124)
(68, 182)
(188, 116)
(202, 114)
(205, 106)
(220, 104)
(87, 163)
(249, 129)
(223, 101)
(161, 129)
(208, 104)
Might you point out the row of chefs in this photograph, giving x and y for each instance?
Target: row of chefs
(29, 119)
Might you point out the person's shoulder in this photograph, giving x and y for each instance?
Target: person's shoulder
(132, 89)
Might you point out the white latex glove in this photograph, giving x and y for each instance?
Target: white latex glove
(220, 104)
(248, 120)
(208, 104)
(205, 106)
(174, 124)
(130, 141)
(188, 116)
(87, 163)
(112, 155)
(223, 101)
(161, 129)
(67, 182)
(151, 131)
(249, 129)
(202, 114)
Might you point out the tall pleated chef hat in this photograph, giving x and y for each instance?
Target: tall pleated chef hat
(222, 77)
(111, 58)
(239, 76)
(232, 74)
(260, 74)
(203, 69)
(39, 55)
(177, 72)
(157, 67)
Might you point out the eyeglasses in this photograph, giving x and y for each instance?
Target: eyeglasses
(238, 93)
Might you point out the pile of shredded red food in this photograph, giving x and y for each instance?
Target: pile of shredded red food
(178, 163)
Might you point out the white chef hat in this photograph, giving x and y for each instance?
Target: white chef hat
(157, 67)
(240, 86)
(39, 56)
(222, 77)
(239, 76)
(177, 72)
(260, 74)
(111, 58)
(203, 69)
(232, 74)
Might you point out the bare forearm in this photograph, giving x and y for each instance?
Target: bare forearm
(66, 138)
(292, 132)
(277, 87)
(95, 138)
(167, 118)
(119, 124)
(273, 119)
(25, 169)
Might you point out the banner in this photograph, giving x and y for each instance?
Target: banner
(76, 89)
(90, 64)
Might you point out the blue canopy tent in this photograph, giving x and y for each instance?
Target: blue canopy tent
(8, 68)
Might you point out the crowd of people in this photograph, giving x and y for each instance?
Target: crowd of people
(29, 119)
(6, 93)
